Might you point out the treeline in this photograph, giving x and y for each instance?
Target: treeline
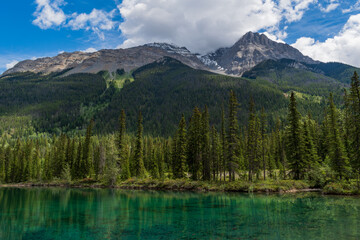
(299, 148)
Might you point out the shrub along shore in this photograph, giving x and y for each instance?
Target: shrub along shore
(268, 186)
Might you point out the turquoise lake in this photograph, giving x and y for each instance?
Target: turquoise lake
(57, 213)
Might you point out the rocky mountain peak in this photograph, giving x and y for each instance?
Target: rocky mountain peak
(256, 38)
(250, 50)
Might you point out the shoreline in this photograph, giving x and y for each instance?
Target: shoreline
(280, 187)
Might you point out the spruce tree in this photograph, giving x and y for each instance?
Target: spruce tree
(346, 128)
(263, 126)
(2, 164)
(123, 153)
(280, 156)
(232, 137)
(215, 154)
(85, 165)
(309, 150)
(223, 145)
(205, 148)
(294, 141)
(139, 168)
(354, 103)
(338, 159)
(194, 145)
(180, 156)
(252, 141)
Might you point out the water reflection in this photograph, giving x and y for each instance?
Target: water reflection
(39, 213)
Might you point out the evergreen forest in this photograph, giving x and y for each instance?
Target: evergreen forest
(231, 145)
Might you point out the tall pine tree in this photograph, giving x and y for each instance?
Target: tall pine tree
(138, 158)
(294, 141)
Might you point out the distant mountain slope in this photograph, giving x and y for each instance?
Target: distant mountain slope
(339, 71)
(165, 89)
(162, 90)
(109, 60)
(246, 53)
(54, 104)
(249, 51)
(315, 79)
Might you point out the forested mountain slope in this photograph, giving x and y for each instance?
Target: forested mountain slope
(166, 89)
(162, 90)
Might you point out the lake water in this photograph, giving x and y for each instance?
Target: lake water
(55, 213)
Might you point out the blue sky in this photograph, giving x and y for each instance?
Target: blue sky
(327, 30)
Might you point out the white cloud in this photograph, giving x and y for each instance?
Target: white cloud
(334, 4)
(11, 64)
(96, 21)
(89, 50)
(49, 14)
(344, 47)
(204, 25)
(293, 10)
(275, 38)
(354, 7)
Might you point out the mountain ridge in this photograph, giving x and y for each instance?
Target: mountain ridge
(249, 51)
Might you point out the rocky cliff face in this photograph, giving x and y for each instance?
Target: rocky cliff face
(249, 51)
(108, 59)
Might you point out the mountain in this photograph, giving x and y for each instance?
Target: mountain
(166, 89)
(162, 90)
(250, 50)
(109, 60)
(289, 75)
(62, 94)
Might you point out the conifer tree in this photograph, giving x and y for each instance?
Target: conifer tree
(139, 168)
(346, 128)
(205, 148)
(8, 158)
(76, 170)
(339, 161)
(309, 150)
(160, 161)
(294, 141)
(263, 126)
(232, 136)
(180, 151)
(85, 165)
(354, 103)
(123, 152)
(194, 145)
(280, 156)
(223, 145)
(252, 141)
(174, 156)
(36, 163)
(215, 153)
(2, 164)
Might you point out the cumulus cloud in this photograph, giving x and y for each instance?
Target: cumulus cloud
(11, 64)
(341, 48)
(89, 50)
(204, 25)
(293, 10)
(96, 21)
(333, 4)
(49, 15)
(354, 7)
(276, 38)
